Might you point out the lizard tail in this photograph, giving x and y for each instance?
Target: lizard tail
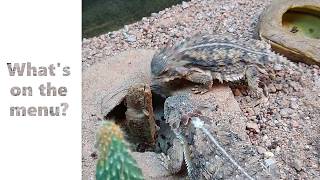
(282, 60)
(187, 159)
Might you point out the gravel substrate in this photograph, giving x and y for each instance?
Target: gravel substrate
(286, 130)
(238, 17)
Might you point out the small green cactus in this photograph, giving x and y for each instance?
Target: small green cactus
(115, 161)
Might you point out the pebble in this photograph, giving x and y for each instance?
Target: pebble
(278, 87)
(250, 112)
(294, 124)
(131, 38)
(294, 105)
(307, 147)
(272, 88)
(277, 67)
(265, 138)
(252, 126)
(269, 162)
(184, 5)
(285, 102)
(261, 150)
(297, 164)
(286, 112)
(277, 117)
(268, 154)
(154, 14)
(126, 28)
(294, 85)
(231, 29)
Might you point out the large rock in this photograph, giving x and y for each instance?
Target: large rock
(104, 86)
(151, 166)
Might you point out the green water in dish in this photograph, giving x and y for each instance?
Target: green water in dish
(306, 24)
(102, 16)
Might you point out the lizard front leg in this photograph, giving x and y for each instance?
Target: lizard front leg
(201, 77)
(252, 77)
(178, 158)
(173, 161)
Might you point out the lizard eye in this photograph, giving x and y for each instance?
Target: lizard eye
(184, 120)
(197, 112)
(174, 125)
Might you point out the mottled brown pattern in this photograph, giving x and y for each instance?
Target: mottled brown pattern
(204, 58)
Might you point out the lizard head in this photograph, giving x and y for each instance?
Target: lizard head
(178, 111)
(164, 62)
(159, 63)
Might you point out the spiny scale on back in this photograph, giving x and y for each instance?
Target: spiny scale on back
(224, 57)
(212, 52)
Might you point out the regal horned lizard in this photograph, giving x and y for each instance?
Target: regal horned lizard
(203, 159)
(204, 58)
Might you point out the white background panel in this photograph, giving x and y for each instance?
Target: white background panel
(43, 33)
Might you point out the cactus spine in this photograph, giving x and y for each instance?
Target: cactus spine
(115, 162)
